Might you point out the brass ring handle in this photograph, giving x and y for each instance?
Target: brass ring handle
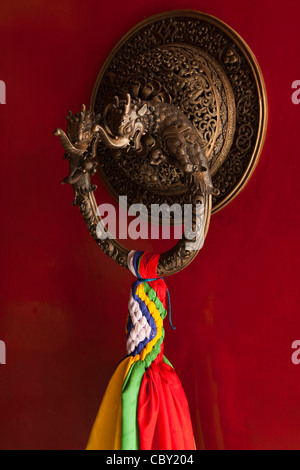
(170, 262)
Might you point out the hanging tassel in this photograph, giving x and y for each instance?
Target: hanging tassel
(149, 409)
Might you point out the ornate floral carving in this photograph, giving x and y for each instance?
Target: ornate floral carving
(205, 73)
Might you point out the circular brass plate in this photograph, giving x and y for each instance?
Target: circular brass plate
(201, 65)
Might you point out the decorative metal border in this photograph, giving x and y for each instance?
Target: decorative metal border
(235, 172)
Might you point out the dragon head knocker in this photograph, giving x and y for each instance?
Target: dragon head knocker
(159, 131)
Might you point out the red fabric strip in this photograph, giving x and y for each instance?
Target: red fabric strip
(148, 270)
(163, 413)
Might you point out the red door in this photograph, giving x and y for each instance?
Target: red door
(64, 303)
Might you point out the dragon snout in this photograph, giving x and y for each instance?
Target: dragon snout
(95, 128)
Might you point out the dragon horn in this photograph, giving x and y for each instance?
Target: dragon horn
(82, 113)
(127, 105)
(66, 142)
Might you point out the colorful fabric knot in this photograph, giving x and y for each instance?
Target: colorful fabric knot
(146, 311)
(144, 406)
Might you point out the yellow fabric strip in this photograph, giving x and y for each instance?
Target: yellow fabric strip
(107, 428)
(132, 360)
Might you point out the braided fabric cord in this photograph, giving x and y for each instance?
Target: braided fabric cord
(146, 308)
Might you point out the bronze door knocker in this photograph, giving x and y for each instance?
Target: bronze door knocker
(178, 114)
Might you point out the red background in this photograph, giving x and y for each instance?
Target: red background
(64, 303)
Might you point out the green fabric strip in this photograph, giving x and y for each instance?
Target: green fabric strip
(130, 396)
(153, 296)
(154, 351)
(167, 362)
